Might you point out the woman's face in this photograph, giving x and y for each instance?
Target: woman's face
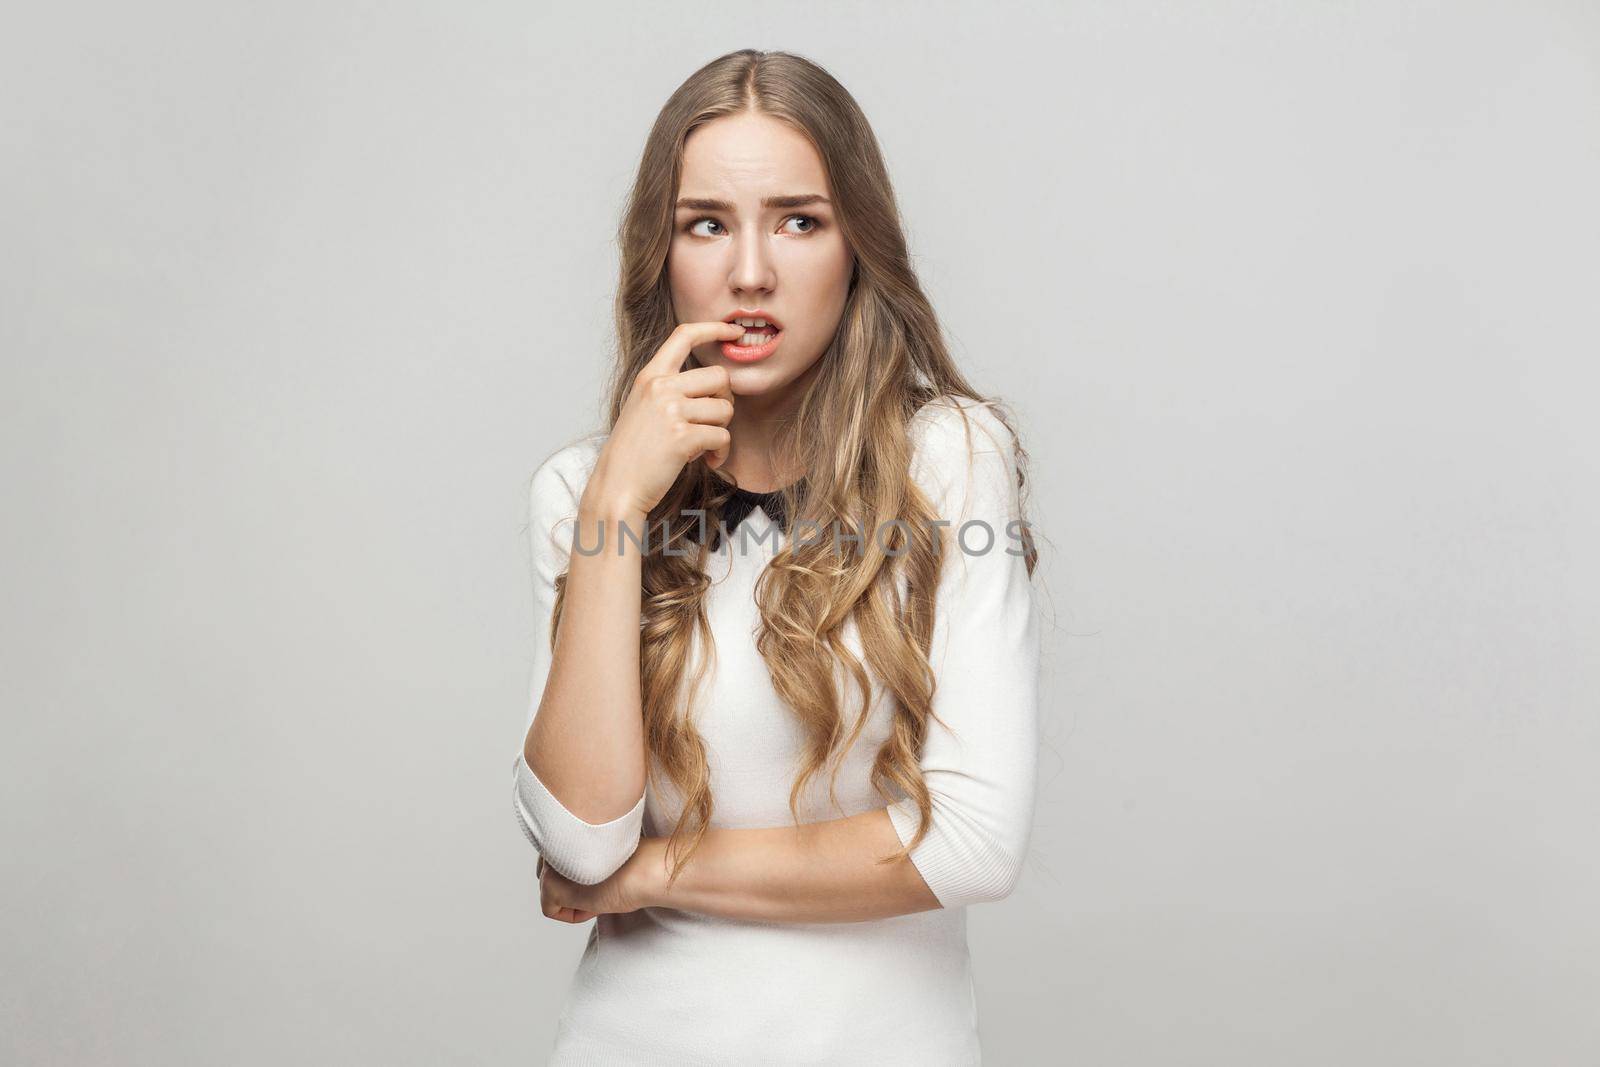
(754, 231)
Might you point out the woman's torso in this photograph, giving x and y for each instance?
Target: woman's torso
(660, 985)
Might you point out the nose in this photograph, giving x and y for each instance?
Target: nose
(752, 269)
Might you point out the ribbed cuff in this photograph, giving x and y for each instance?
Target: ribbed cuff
(957, 861)
(586, 852)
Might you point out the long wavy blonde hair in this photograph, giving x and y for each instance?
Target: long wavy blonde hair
(850, 434)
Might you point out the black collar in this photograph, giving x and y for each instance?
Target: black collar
(738, 506)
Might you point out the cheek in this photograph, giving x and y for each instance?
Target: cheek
(689, 269)
(824, 270)
(839, 266)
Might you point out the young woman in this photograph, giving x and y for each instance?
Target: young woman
(784, 695)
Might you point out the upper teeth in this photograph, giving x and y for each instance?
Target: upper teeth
(751, 322)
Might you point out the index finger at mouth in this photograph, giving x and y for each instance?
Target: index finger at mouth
(676, 349)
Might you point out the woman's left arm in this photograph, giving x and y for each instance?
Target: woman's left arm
(979, 763)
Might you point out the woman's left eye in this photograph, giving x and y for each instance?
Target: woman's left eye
(807, 218)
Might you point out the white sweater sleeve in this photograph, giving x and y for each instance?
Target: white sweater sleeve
(981, 769)
(585, 852)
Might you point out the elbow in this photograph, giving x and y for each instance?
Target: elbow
(590, 873)
(584, 858)
(985, 872)
(966, 859)
(1009, 876)
(996, 869)
(587, 853)
(587, 868)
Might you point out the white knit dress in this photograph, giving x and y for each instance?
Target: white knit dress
(664, 986)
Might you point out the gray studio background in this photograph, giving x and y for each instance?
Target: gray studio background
(1295, 303)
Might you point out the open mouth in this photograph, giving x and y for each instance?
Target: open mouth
(760, 337)
(755, 336)
(759, 328)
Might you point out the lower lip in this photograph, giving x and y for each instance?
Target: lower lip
(742, 354)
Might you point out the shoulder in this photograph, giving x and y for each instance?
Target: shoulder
(964, 458)
(951, 424)
(570, 464)
(951, 428)
(558, 480)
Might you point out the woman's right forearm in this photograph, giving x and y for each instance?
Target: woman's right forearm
(586, 743)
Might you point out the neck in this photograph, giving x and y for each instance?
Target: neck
(754, 427)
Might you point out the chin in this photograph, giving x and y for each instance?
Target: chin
(754, 379)
(769, 376)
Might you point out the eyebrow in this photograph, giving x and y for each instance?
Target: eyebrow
(800, 200)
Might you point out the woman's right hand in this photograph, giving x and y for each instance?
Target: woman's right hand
(670, 418)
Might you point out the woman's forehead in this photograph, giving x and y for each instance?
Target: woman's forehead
(754, 156)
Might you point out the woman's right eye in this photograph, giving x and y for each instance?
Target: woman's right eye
(696, 222)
